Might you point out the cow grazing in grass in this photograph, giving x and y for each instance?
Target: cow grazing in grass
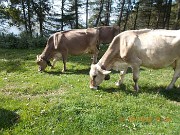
(73, 42)
(149, 48)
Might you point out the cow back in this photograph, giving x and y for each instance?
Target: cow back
(77, 41)
(107, 33)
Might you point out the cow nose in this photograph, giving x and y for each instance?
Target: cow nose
(40, 69)
(94, 87)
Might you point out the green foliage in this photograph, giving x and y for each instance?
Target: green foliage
(8, 41)
(62, 103)
(14, 14)
(23, 41)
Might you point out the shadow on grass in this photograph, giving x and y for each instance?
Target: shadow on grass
(12, 66)
(8, 118)
(70, 72)
(173, 94)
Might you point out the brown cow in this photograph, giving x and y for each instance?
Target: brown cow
(149, 48)
(73, 42)
(88, 41)
(107, 33)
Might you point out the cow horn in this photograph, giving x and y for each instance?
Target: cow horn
(104, 72)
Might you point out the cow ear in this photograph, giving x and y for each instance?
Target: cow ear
(104, 72)
(37, 57)
(92, 65)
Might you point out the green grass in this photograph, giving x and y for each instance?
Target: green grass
(61, 103)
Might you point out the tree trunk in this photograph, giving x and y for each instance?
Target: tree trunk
(41, 20)
(121, 12)
(136, 17)
(76, 13)
(29, 18)
(159, 15)
(108, 11)
(100, 11)
(127, 14)
(178, 15)
(87, 3)
(165, 14)
(62, 15)
(150, 12)
(168, 13)
(24, 15)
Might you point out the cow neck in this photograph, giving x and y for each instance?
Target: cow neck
(46, 55)
(108, 58)
(105, 65)
(106, 61)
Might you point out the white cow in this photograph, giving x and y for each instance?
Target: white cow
(149, 48)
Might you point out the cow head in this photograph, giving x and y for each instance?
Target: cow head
(97, 75)
(41, 62)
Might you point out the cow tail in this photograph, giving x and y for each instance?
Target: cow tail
(55, 41)
(98, 39)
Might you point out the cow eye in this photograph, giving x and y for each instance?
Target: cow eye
(94, 76)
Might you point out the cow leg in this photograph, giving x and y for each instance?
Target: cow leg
(175, 76)
(121, 76)
(136, 77)
(54, 62)
(64, 59)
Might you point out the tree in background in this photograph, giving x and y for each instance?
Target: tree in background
(177, 21)
(26, 12)
(41, 9)
(87, 5)
(128, 14)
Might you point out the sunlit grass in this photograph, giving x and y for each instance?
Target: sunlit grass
(62, 103)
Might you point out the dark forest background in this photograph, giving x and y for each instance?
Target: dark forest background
(48, 16)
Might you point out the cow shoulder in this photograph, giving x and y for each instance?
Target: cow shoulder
(92, 31)
(57, 39)
(92, 34)
(127, 40)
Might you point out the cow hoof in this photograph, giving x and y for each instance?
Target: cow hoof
(63, 71)
(52, 67)
(170, 87)
(136, 88)
(167, 88)
(117, 84)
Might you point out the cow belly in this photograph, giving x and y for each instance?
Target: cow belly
(157, 61)
(57, 56)
(157, 64)
(77, 49)
(77, 52)
(119, 65)
(158, 57)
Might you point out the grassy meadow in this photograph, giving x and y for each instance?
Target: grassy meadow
(51, 102)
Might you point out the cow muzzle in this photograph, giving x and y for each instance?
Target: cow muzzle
(93, 87)
(40, 69)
